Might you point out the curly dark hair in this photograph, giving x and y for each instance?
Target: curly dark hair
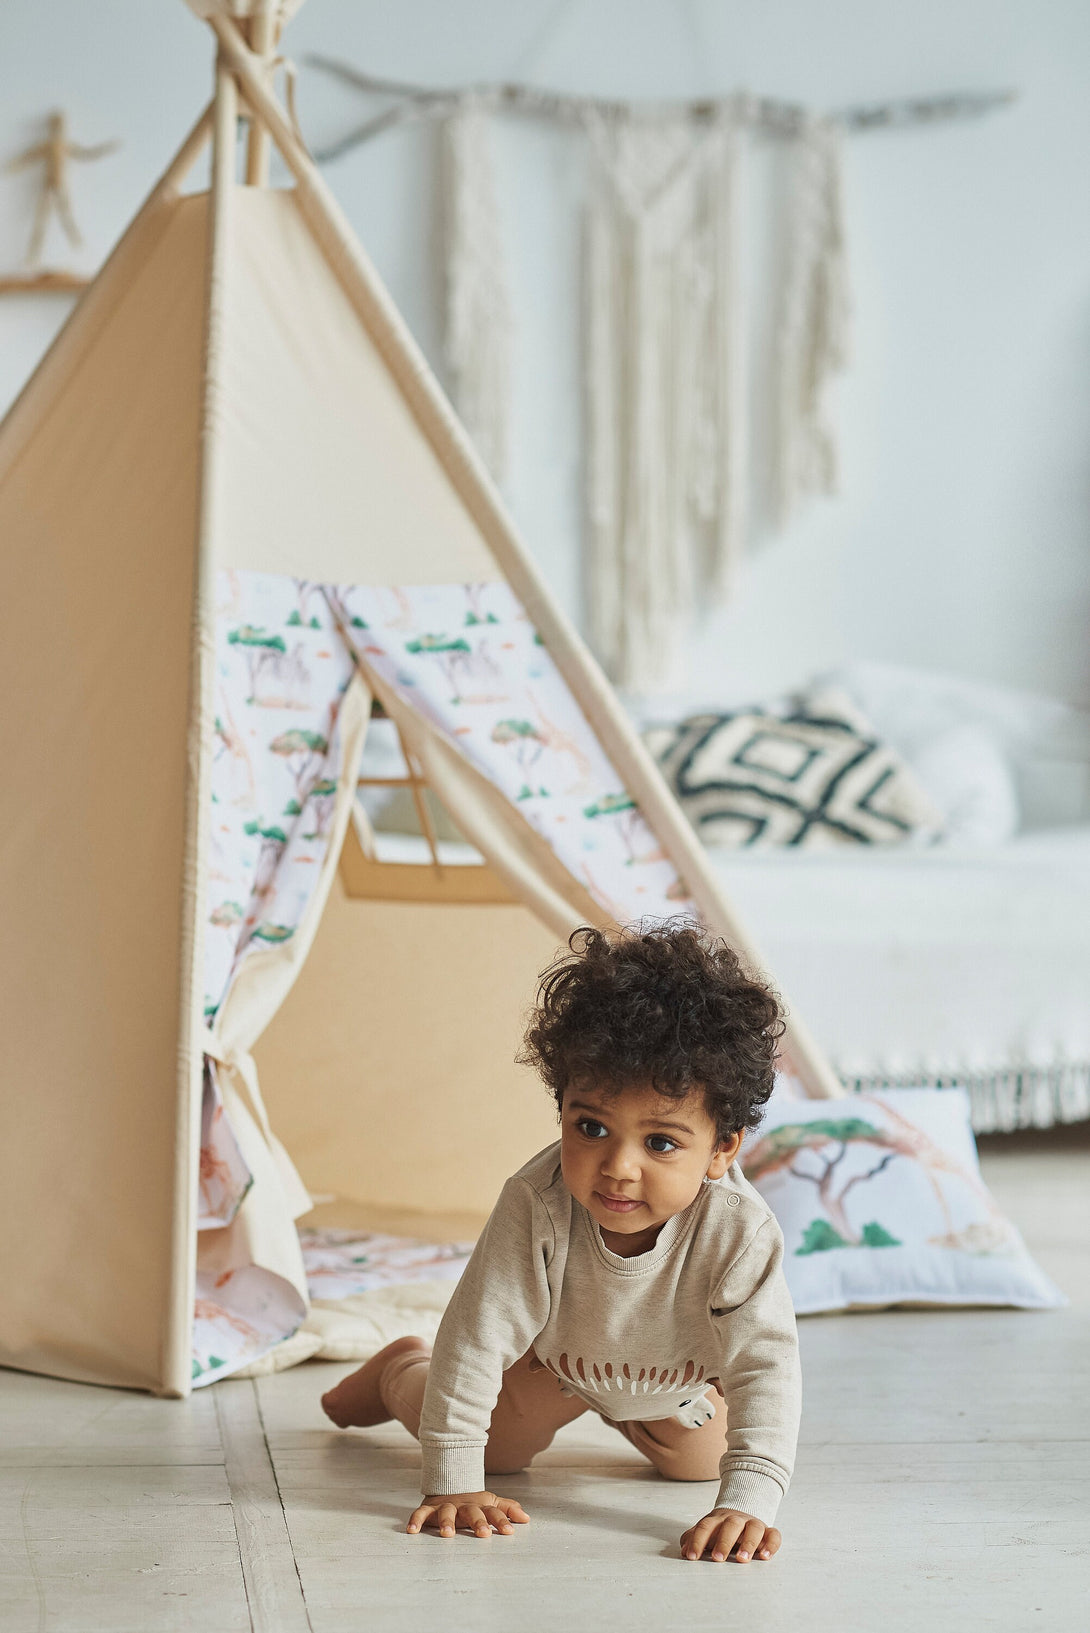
(672, 1007)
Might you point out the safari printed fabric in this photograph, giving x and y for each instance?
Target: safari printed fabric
(281, 670)
(342, 1263)
(466, 658)
(238, 1316)
(280, 673)
(881, 1201)
(225, 1179)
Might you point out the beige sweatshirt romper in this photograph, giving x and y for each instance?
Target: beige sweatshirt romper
(638, 1338)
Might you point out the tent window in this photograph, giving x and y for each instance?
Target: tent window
(404, 845)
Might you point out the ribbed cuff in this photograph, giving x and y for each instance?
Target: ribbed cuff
(750, 1493)
(450, 1470)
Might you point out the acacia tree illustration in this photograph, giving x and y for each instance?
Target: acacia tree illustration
(872, 1235)
(780, 1149)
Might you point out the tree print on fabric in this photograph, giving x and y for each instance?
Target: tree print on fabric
(260, 650)
(460, 664)
(321, 799)
(302, 751)
(281, 670)
(478, 612)
(815, 1152)
(468, 659)
(827, 1142)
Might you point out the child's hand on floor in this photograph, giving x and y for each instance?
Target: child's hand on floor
(475, 1511)
(726, 1528)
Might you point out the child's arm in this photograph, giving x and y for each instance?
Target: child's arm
(498, 1308)
(760, 1378)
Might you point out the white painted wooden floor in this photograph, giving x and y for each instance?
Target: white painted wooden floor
(942, 1484)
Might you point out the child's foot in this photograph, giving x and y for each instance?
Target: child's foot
(356, 1403)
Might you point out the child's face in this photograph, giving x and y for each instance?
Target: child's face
(636, 1158)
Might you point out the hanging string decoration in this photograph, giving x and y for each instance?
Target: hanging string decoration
(664, 377)
(812, 332)
(665, 324)
(478, 324)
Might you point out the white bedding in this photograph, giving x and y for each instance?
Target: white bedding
(932, 966)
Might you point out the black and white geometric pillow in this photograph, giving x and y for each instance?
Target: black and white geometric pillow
(813, 777)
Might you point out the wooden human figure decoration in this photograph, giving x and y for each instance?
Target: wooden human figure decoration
(54, 155)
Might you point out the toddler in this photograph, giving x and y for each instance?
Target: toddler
(629, 1269)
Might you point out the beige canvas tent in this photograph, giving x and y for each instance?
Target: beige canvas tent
(235, 416)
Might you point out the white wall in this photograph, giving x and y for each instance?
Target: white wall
(961, 540)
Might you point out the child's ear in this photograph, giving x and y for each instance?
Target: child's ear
(725, 1154)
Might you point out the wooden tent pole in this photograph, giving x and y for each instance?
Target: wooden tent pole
(475, 488)
(262, 40)
(178, 1342)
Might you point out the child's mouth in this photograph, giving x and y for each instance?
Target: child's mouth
(617, 1204)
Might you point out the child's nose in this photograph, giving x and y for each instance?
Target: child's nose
(620, 1163)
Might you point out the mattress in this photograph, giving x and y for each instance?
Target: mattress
(936, 965)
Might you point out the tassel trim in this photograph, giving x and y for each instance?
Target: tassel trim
(1001, 1099)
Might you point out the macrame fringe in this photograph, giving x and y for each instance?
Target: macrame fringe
(812, 340)
(478, 322)
(664, 350)
(1005, 1099)
(664, 380)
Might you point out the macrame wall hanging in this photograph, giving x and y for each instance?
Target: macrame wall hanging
(664, 377)
(667, 440)
(812, 332)
(477, 319)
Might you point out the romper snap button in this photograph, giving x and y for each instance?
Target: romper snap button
(732, 1199)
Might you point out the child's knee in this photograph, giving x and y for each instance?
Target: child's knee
(506, 1463)
(677, 1454)
(689, 1472)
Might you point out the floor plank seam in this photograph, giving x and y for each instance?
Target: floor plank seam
(28, 1549)
(242, 1571)
(280, 1498)
(273, 1590)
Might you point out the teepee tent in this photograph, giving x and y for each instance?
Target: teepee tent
(240, 520)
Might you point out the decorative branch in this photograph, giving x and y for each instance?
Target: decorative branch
(412, 101)
(815, 1179)
(886, 1160)
(830, 1164)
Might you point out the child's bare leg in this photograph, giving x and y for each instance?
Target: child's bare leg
(359, 1401)
(529, 1411)
(677, 1452)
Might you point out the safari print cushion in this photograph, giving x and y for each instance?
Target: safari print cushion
(881, 1202)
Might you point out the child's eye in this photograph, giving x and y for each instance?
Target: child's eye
(592, 1129)
(661, 1145)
